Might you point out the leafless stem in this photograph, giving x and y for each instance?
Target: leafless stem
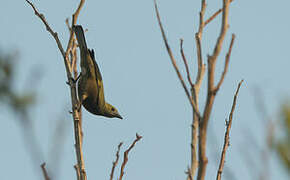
(45, 174)
(214, 15)
(227, 134)
(126, 153)
(74, 100)
(201, 66)
(226, 64)
(198, 37)
(67, 24)
(201, 15)
(74, 20)
(211, 93)
(116, 161)
(54, 34)
(173, 61)
(185, 63)
(195, 93)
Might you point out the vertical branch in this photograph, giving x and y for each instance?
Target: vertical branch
(77, 114)
(211, 93)
(227, 134)
(72, 84)
(74, 20)
(195, 93)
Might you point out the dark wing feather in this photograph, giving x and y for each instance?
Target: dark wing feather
(97, 70)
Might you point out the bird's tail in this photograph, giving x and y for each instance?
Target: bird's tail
(80, 36)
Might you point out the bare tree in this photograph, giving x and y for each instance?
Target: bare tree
(200, 121)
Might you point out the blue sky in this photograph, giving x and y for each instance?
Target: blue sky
(140, 80)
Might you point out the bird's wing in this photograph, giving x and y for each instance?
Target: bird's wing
(97, 70)
(101, 96)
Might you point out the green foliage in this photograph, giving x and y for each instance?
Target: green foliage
(282, 146)
(17, 102)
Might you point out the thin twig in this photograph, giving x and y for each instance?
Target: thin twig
(45, 174)
(67, 24)
(185, 63)
(173, 61)
(116, 161)
(227, 134)
(226, 64)
(214, 15)
(126, 153)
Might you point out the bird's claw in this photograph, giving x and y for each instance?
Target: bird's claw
(73, 80)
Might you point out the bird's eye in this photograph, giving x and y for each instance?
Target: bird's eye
(113, 109)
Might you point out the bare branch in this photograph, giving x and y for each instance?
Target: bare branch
(116, 161)
(45, 174)
(210, 93)
(185, 63)
(214, 15)
(74, 100)
(74, 20)
(67, 24)
(195, 94)
(54, 34)
(126, 153)
(226, 64)
(224, 28)
(201, 15)
(227, 134)
(201, 66)
(173, 61)
(198, 37)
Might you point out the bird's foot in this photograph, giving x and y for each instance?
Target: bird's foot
(72, 80)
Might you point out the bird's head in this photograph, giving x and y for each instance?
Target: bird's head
(112, 112)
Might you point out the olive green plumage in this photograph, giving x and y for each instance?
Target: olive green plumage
(90, 84)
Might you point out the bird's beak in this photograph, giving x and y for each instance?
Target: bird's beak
(118, 116)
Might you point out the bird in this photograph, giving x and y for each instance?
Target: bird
(90, 83)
